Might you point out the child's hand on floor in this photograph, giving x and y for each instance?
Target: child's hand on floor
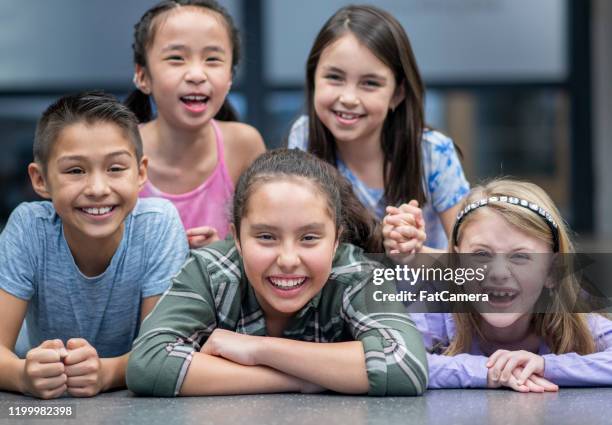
(201, 236)
(404, 230)
(239, 348)
(44, 371)
(520, 370)
(83, 368)
(534, 384)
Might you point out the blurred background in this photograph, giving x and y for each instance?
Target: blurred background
(522, 86)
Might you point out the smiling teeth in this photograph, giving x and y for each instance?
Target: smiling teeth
(501, 294)
(195, 98)
(97, 211)
(287, 283)
(347, 116)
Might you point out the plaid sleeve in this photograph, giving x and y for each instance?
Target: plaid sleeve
(182, 319)
(395, 356)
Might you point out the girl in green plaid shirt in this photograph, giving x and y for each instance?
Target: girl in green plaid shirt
(285, 306)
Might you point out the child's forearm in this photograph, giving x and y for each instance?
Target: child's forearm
(11, 371)
(113, 372)
(459, 371)
(211, 375)
(336, 366)
(575, 370)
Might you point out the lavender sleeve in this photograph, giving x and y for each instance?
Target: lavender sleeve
(459, 371)
(575, 370)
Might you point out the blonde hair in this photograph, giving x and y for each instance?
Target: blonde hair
(563, 331)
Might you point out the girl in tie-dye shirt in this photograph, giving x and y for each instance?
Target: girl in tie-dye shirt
(364, 98)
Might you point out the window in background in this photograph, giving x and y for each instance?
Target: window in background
(501, 90)
(18, 117)
(521, 133)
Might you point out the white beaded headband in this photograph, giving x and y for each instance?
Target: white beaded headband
(554, 228)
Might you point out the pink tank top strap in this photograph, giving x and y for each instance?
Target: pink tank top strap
(221, 156)
(207, 204)
(220, 147)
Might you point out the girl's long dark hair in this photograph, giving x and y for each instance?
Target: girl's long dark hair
(144, 33)
(354, 222)
(403, 127)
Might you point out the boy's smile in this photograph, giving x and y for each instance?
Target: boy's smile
(93, 178)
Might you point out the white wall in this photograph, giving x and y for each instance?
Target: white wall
(71, 42)
(523, 39)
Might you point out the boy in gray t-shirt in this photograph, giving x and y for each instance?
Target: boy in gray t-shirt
(87, 267)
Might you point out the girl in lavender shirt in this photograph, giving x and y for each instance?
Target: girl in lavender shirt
(525, 336)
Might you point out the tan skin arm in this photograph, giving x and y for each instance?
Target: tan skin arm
(336, 366)
(12, 313)
(243, 144)
(12, 368)
(212, 375)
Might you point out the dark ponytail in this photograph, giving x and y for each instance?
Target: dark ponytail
(140, 104)
(227, 112)
(359, 226)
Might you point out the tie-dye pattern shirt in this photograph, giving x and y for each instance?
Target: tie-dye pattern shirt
(443, 180)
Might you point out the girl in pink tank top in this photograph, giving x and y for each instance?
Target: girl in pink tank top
(185, 66)
(208, 204)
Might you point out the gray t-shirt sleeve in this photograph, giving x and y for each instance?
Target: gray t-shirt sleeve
(17, 251)
(167, 251)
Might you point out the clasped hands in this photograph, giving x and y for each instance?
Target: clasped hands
(52, 369)
(404, 231)
(520, 370)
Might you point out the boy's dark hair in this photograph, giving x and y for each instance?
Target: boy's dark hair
(144, 33)
(352, 219)
(402, 130)
(89, 107)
